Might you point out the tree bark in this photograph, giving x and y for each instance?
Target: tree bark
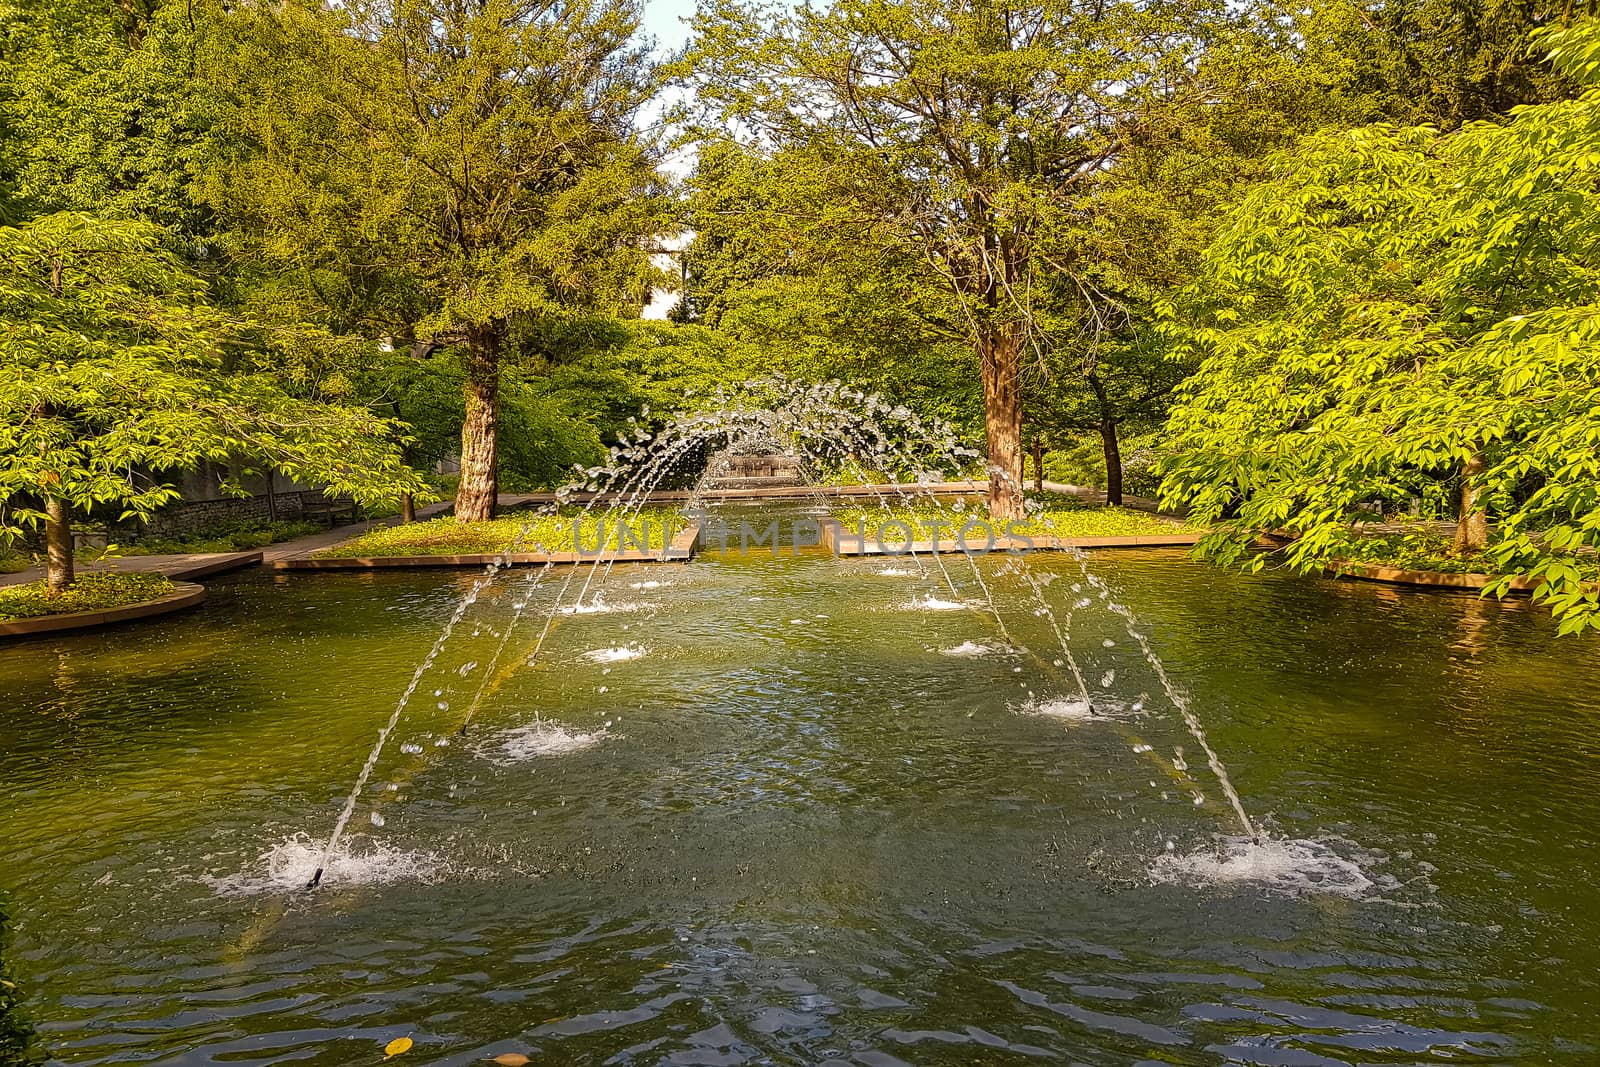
(58, 547)
(1038, 464)
(477, 495)
(1472, 523)
(999, 352)
(1108, 438)
(408, 508)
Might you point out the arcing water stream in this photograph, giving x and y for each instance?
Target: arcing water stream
(830, 427)
(795, 808)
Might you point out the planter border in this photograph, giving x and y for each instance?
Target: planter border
(836, 541)
(680, 549)
(184, 595)
(1466, 582)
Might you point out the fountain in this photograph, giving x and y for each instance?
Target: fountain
(818, 428)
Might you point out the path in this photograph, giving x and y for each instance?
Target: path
(304, 546)
(190, 566)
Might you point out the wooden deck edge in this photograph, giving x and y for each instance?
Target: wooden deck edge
(184, 595)
(1375, 572)
(843, 543)
(682, 547)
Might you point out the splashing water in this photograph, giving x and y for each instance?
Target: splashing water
(621, 654)
(289, 865)
(929, 602)
(539, 739)
(1284, 866)
(599, 607)
(1063, 708)
(969, 649)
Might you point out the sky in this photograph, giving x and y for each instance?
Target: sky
(661, 21)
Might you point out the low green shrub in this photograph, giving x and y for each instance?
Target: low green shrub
(1062, 516)
(530, 531)
(234, 537)
(1433, 552)
(91, 592)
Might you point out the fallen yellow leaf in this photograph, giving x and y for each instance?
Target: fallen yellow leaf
(511, 1059)
(397, 1046)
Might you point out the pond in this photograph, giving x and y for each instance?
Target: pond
(788, 810)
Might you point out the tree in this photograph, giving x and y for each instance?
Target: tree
(1402, 306)
(100, 111)
(115, 372)
(959, 137)
(463, 170)
(1120, 383)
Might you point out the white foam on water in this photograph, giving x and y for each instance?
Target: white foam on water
(968, 649)
(289, 865)
(538, 739)
(1287, 866)
(895, 572)
(1069, 708)
(652, 584)
(598, 607)
(619, 654)
(929, 602)
(1074, 709)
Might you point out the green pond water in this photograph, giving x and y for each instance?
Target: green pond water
(828, 822)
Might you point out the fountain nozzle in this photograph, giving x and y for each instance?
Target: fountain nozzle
(316, 880)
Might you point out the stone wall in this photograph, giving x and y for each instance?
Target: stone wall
(197, 516)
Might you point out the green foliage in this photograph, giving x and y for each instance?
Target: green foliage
(115, 372)
(1419, 552)
(527, 531)
(1398, 306)
(231, 537)
(99, 110)
(431, 168)
(795, 283)
(17, 1046)
(1064, 517)
(91, 592)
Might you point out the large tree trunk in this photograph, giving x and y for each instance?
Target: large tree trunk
(999, 351)
(1472, 524)
(408, 508)
(58, 547)
(1038, 464)
(476, 497)
(1108, 439)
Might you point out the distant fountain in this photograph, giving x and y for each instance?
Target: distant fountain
(768, 431)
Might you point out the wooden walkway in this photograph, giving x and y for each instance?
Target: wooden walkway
(186, 567)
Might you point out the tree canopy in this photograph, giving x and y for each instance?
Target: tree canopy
(115, 372)
(1401, 306)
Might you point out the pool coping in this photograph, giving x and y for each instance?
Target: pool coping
(682, 548)
(184, 595)
(839, 545)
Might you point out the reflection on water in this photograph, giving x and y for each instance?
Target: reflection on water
(774, 816)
